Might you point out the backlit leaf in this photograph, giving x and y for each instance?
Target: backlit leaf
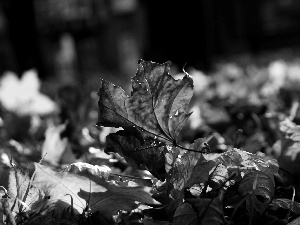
(151, 117)
(290, 147)
(131, 148)
(191, 167)
(23, 196)
(157, 103)
(98, 194)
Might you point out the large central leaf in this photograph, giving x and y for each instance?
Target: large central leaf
(156, 106)
(152, 116)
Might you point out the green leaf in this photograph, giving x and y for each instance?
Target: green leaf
(99, 195)
(260, 188)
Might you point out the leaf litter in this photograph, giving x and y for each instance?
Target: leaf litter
(151, 119)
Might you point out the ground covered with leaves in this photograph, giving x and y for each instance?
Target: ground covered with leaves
(186, 148)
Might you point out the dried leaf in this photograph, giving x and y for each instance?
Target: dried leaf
(290, 145)
(189, 169)
(285, 204)
(54, 146)
(185, 214)
(200, 211)
(99, 195)
(23, 196)
(86, 168)
(157, 103)
(23, 96)
(129, 147)
(152, 116)
(148, 221)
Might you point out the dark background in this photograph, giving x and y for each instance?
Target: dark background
(81, 38)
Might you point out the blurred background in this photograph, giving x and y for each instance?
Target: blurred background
(243, 56)
(74, 40)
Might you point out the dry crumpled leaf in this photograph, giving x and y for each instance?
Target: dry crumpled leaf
(151, 117)
(23, 196)
(98, 194)
(193, 167)
(204, 211)
(54, 147)
(285, 204)
(290, 147)
(23, 96)
(82, 168)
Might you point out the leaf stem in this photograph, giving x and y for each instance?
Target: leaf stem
(292, 205)
(239, 131)
(128, 176)
(10, 220)
(188, 149)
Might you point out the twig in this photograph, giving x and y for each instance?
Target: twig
(239, 131)
(10, 220)
(292, 206)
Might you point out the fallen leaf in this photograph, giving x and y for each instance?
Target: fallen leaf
(54, 146)
(98, 194)
(153, 116)
(130, 147)
(290, 147)
(23, 96)
(285, 204)
(23, 196)
(260, 188)
(200, 211)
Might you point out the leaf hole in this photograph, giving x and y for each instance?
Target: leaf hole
(261, 198)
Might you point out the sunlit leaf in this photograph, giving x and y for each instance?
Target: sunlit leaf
(23, 196)
(23, 96)
(54, 146)
(290, 146)
(191, 167)
(98, 194)
(86, 168)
